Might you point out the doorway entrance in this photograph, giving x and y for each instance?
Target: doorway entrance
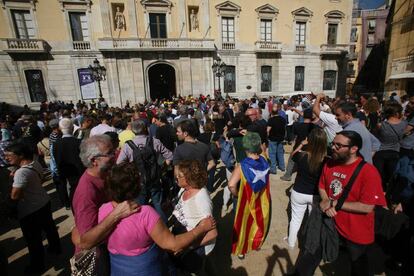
(162, 81)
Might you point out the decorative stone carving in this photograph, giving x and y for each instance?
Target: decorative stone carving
(193, 20)
(119, 20)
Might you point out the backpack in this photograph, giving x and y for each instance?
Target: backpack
(146, 160)
(226, 154)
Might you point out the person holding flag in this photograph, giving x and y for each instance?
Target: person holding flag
(252, 220)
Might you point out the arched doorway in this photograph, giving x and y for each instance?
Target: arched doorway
(162, 81)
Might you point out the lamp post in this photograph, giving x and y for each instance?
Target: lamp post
(219, 68)
(98, 74)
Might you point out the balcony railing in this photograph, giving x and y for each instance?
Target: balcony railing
(268, 46)
(402, 68)
(14, 45)
(81, 45)
(228, 46)
(334, 49)
(148, 44)
(300, 48)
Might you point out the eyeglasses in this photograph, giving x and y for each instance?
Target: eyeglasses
(110, 155)
(340, 146)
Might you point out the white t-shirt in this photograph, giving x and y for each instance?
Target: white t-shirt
(191, 211)
(331, 125)
(292, 117)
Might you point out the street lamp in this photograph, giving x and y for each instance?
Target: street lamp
(98, 74)
(219, 68)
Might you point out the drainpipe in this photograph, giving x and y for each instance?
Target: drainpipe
(144, 78)
(119, 83)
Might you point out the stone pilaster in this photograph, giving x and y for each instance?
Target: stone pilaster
(105, 17)
(132, 14)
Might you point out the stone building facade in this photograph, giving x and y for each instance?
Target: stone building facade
(367, 36)
(400, 64)
(162, 48)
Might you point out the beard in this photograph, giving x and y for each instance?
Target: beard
(341, 157)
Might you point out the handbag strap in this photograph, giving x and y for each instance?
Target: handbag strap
(394, 131)
(348, 187)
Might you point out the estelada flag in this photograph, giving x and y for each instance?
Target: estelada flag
(252, 220)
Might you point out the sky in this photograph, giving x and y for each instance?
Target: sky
(370, 4)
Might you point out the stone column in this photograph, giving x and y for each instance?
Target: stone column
(138, 77)
(112, 81)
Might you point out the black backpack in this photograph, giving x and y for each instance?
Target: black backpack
(146, 160)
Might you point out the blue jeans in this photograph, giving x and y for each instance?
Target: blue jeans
(156, 199)
(276, 155)
(153, 262)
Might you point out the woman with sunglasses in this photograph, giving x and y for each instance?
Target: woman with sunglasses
(194, 204)
(135, 243)
(308, 156)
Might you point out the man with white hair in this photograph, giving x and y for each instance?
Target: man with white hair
(98, 156)
(69, 165)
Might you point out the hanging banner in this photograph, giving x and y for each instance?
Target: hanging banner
(86, 83)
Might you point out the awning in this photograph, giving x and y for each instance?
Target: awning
(409, 75)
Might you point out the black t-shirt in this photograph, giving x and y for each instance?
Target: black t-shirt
(207, 139)
(219, 125)
(372, 122)
(278, 128)
(305, 181)
(259, 129)
(166, 134)
(301, 131)
(361, 116)
(192, 151)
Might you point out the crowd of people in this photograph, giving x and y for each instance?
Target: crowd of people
(139, 178)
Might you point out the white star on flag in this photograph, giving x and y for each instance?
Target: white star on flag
(259, 175)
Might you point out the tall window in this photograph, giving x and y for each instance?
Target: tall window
(332, 33)
(158, 25)
(79, 26)
(227, 29)
(354, 35)
(23, 24)
(266, 30)
(371, 38)
(371, 25)
(329, 80)
(299, 78)
(34, 79)
(230, 79)
(300, 33)
(266, 72)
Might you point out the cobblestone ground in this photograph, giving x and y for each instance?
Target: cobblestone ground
(273, 259)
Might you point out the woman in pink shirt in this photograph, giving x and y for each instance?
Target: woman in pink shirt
(135, 242)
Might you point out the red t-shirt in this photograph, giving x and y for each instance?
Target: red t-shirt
(88, 197)
(367, 189)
